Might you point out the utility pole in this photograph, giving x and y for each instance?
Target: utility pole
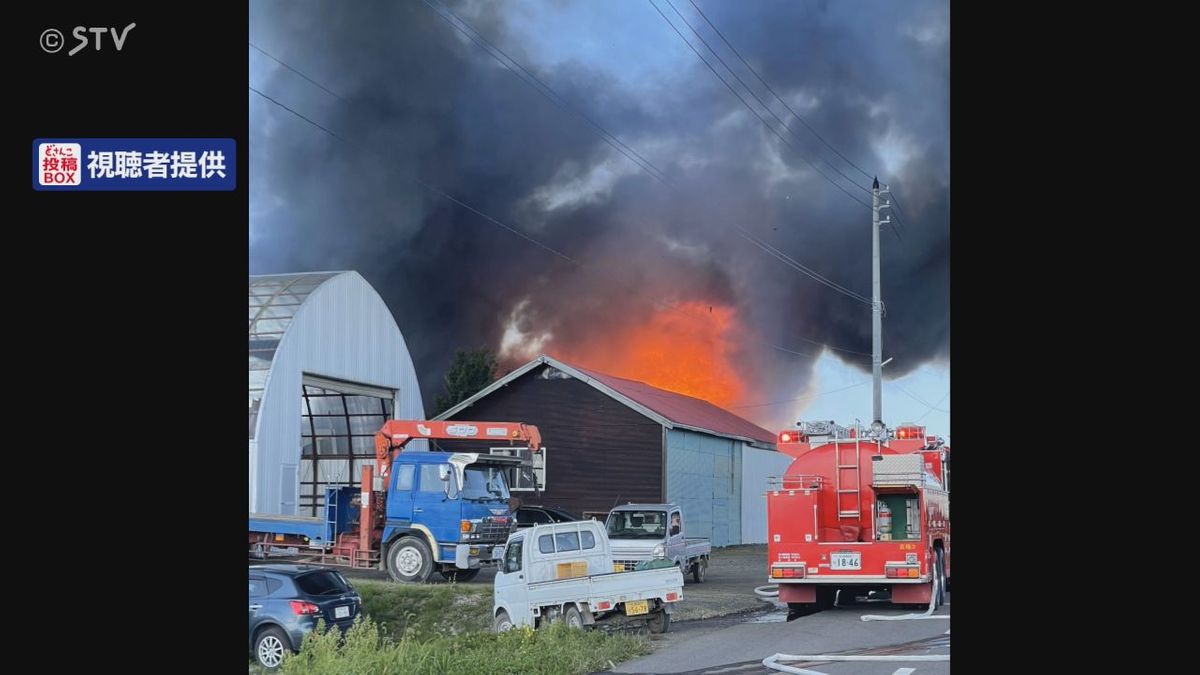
(877, 305)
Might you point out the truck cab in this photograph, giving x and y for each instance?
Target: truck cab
(642, 532)
(446, 513)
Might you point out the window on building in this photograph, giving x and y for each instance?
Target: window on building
(528, 477)
(337, 440)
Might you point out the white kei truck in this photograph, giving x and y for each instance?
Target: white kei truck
(563, 572)
(643, 532)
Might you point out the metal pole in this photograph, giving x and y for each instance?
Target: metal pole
(876, 312)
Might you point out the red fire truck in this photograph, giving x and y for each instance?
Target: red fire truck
(859, 510)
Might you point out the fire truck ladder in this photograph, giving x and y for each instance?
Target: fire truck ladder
(842, 488)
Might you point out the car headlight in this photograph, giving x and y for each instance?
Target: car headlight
(659, 551)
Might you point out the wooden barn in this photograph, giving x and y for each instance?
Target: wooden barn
(610, 440)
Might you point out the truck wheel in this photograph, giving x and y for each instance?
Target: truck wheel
(572, 617)
(698, 572)
(846, 596)
(941, 578)
(825, 597)
(659, 622)
(410, 561)
(799, 609)
(457, 575)
(270, 646)
(502, 622)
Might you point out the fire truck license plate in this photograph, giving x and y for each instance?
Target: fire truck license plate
(845, 561)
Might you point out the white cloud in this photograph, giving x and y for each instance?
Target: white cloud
(518, 344)
(896, 149)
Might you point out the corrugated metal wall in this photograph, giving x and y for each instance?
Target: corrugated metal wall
(704, 476)
(757, 466)
(342, 331)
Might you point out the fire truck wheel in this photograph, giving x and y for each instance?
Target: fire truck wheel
(659, 622)
(410, 561)
(698, 572)
(459, 576)
(825, 597)
(941, 578)
(799, 609)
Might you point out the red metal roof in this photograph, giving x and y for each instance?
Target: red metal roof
(681, 409)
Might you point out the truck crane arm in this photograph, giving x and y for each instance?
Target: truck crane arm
(396, 434)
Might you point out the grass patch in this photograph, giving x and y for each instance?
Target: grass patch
(424, 612)
(368, 650)
(446, 628)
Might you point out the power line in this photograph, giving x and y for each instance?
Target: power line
(544, 89)
(554, 97)
(280, 62)
(295, 113)
(926, 414)
(895, 201)
(429, 187)
(751, 91)
(476, 211)
(515, 231)
(751, 108)
(922, 401)
(775, 253)
(777, 96)
(787, 107)
(780, 255)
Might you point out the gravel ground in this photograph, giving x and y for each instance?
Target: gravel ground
(733, 574)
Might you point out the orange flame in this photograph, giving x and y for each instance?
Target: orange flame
(689, 350)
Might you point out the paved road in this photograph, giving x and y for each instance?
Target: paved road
(737, 645)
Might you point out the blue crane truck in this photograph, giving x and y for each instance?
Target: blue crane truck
(428, 512)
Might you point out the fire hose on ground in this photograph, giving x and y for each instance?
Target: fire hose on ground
(772, 591)
(767, 593)
(772, 661)
(928, 614)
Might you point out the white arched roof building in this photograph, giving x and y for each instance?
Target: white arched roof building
(327, 366)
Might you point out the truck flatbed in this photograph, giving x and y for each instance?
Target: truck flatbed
(316, 529)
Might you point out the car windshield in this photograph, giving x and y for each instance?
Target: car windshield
(322, 583)
(637, 524)
(484, 483)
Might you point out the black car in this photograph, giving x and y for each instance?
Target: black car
(528, 516)
(287, 600)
